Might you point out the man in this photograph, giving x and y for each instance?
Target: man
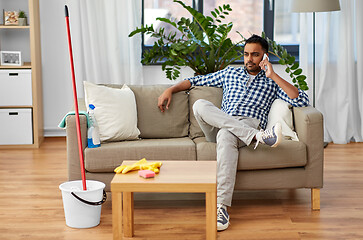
(248, 93)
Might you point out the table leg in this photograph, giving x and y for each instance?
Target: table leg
(117, 215)
(211, 215)
(128, 214)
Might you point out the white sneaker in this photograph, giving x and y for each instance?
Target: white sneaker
(271, 137)
(222, 217)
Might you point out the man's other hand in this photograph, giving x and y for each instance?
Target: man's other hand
(164, 97)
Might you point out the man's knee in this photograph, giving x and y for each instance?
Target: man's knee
(198, 106)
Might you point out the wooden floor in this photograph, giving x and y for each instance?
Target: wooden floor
(31, 204)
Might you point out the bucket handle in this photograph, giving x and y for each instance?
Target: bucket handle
(91, 203)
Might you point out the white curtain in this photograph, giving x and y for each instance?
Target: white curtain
(103, 52)
(339, 69)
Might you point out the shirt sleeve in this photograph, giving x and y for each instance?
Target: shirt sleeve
(211, 80)
(301, 101)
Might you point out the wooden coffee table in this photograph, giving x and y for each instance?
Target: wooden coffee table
(174, 176)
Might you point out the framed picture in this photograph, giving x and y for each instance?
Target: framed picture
(11, 18)
(11, 58)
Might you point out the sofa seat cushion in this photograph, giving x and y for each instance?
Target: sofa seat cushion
(110, 155)
(287, 154)
(205, 150)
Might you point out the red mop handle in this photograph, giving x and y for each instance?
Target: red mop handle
(78, 125)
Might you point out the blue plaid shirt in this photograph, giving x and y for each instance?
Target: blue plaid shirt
(252, 101)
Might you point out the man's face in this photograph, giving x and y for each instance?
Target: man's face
(253, 55)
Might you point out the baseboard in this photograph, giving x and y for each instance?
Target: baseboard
(54, 132)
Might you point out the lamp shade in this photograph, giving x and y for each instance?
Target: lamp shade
(315, 5)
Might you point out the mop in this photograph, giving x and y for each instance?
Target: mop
(80, 149)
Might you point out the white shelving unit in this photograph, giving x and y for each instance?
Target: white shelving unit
(14, 82)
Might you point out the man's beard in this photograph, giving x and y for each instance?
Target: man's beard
(251, 67)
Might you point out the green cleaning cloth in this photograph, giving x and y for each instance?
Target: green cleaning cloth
(62, 124)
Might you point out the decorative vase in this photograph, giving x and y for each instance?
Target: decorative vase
(22, 22)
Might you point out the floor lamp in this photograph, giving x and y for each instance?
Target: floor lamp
(315, 6)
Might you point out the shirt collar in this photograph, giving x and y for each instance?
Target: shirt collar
(260, 76)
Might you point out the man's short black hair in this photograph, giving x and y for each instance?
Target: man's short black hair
(257, 39)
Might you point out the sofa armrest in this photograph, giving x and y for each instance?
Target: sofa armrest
(308, 123)
(73, 164)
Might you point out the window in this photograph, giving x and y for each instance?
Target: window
(162, 8)
(248, 17)
(287, 24)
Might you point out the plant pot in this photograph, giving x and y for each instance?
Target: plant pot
(22, 21)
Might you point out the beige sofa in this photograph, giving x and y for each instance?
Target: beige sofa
(175, 135)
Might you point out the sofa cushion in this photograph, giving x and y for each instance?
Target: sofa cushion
(280, 111)
(205, 150)
(110, 155)
(115, 111)
(211, 94)
(288, 154)
(152, 123)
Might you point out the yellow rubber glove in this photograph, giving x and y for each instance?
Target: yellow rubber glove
(139, 165)
(135, 166)
(119, 169)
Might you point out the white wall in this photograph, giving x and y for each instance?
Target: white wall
(57, 84)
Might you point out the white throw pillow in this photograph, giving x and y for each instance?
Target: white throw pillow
(280, 112)
(115, 111)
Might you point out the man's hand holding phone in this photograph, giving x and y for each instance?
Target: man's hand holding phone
(266, 65)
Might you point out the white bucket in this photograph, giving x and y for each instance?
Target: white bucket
(82, 209)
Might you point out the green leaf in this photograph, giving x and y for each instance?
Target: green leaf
(173, 52)
(301, 78)
(284, 53)
(295, 66)
(142, 30)
(176, 73)
(282, 61)
(214, 14)
(279, 48)
(287, 70)
(297, 72)
(294, 80)
(209, 19)
(291, 60)
(166, 20)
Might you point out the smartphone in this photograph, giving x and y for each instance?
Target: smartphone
(265, 57)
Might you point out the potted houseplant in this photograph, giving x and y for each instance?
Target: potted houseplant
(22, 20)
(203, 45)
